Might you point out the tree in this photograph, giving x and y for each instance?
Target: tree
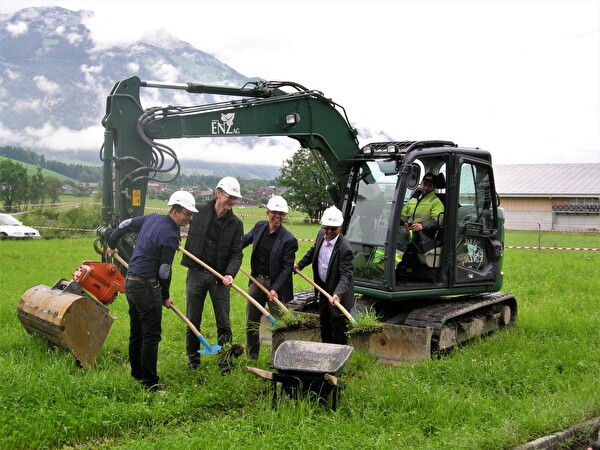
(38, 187)
(53, 186)
(13, 183)
(306, 187)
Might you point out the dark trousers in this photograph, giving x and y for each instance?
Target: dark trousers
(145, 315)
(197, 284)
(253, 316)
(333, 327)
(422, 242)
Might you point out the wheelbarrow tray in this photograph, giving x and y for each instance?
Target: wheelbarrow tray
(302, 357)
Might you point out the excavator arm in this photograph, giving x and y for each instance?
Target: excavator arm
(134, 151)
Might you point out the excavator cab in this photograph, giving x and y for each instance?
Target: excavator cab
(464, 250)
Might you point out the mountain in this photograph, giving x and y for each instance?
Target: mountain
(54, 81)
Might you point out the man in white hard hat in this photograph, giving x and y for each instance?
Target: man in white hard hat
(272, 262)
(215, 237)
(333, 269)
(149, 279)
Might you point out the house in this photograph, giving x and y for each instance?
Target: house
(562, 197)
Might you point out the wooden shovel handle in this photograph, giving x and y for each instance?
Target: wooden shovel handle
(121, 260)
(220, 277)
(329, 297)
(260, 372)
(186, 320)
(265, 290)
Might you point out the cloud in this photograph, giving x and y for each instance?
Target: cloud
(74, 38)
(49, 137)
(27, 105)
(45, 85)
(12, 75)
(17, 29)
(267, 151)
(165, 72)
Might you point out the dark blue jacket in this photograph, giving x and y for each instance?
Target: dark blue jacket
(283, 255)
(155, 247)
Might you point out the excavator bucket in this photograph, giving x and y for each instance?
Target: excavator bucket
(394, 345)
(67, 317)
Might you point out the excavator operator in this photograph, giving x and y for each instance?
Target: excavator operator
(421, 216)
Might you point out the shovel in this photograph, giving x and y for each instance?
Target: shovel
(269, 317)
(266, 291)
(208, 349)
(336, 303)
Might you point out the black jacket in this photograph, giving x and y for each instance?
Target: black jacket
(229, 248)
(340, 275)
(281, 263)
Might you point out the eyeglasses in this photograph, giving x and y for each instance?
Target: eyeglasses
(330, 228)
(279, 213)
(230, 197)
(186, 213)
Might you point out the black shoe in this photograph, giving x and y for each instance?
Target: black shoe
(155, 387)
(225, 370)
(193, 365)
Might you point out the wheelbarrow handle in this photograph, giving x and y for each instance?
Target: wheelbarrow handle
(233, 285)
(329, 297)
(260, 372)
(331, 379)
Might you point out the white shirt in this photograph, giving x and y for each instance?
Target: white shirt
(324, 257)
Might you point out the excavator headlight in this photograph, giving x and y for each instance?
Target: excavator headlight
(367, 150)
(292, 119)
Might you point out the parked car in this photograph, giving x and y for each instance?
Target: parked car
(12, 228)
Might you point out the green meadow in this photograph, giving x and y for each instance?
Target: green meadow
(538, 378)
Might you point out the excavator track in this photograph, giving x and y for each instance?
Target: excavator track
(456, 320)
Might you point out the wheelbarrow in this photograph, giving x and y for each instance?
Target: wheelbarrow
(307, 370)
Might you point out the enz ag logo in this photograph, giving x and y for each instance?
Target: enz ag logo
(225, 125)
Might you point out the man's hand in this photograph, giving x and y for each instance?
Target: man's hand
(417, 226)
(168, 302)
(228, 280)
(334, 298)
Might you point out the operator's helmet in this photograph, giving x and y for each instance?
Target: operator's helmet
(278, 204)
(332, 217)
(184, 199)
(231, 186)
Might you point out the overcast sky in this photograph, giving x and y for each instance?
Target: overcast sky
(518, 78)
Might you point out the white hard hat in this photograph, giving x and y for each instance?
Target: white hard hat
(277, 203)
(231, 186)
(184, 199)
(332, 217)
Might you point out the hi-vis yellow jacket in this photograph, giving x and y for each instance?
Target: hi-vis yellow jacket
(425, 211)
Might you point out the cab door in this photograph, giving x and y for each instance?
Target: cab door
(478, 241)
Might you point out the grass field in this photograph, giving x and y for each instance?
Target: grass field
(535, 379)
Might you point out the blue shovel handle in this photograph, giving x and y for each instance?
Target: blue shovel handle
(272, 320)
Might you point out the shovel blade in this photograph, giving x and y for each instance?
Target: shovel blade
(210, 350)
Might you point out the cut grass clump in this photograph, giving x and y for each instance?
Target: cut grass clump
(367, 322)
(291, 322)
(230, 350)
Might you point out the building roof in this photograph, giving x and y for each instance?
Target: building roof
(568, 180)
